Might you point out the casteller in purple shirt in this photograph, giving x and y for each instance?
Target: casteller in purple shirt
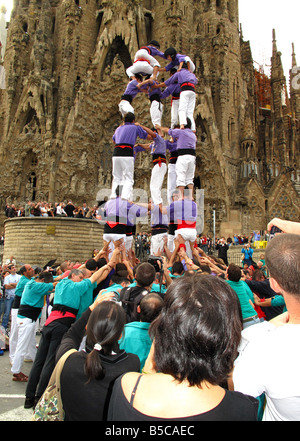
(186, 138)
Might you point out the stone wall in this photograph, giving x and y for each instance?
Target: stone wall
(36, 240)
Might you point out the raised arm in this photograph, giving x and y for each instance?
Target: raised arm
(285, 226)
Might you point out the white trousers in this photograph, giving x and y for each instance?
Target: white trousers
(125, 107)
(157, 243)
(123, 174)
(171, 244)
(186, 109)
(171, 182)
(156, 111)
(26, 345)
(156, 182)
(142, 67)
(109, 237)
(185, 170)
(13, 336)
(188, 235)
(174, 113)
(128, 242)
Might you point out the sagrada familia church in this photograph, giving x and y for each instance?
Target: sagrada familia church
(64, 67)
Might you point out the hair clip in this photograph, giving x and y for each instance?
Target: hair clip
(97, 347)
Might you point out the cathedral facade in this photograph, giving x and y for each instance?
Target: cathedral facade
(65, 65)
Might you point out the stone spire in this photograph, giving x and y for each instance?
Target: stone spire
(279, 101)
(295, 86)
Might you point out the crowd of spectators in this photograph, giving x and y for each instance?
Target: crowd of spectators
(48, 209)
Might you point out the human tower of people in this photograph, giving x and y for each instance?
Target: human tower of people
(179, 217)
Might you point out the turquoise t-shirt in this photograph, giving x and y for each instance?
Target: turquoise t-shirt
(136, 340)
(156, 288)
(244, 296)
(21, 285)
(278, 301)
(34, 293)
(87, 299)
(115, 287)
(69, 293)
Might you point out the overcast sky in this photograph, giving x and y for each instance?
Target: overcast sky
(258, 18)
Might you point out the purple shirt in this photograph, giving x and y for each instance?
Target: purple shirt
(154, 51)
(171, 146)
(175, 63)
(121, 211)
(157, 218)
(186, 138)
(158, 147)
(128, 133)
(154, 91)
(183, 210)
(183, 76)
(134, 212)
(132, 89)
(172, 89)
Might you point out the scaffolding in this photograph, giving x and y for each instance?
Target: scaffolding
(262, 88)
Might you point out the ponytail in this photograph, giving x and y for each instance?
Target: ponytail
(104, 329)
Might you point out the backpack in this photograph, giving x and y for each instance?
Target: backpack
(130, 298)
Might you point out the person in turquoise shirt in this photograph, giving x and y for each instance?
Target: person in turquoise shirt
(136, 338)
(277, 300)
(177, 270)
(87, 298)
(27, 273)
(117, 283)
(32, 302)
(233, 278)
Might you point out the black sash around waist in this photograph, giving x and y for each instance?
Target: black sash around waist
(64, 309)
(114, 228)
(158, 229)
(30, 312)
(182, 152)
(123, 150)
(157, 158)
(126, 98)
(187, 86)
(154, 97)
(173, 157)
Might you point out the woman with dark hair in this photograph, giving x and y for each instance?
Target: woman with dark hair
(88, 375)
(196, 340)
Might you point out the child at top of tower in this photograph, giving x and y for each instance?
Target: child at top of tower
(176, 60)
(144, 61)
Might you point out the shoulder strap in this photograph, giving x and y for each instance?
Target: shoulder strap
(134, 389)
(55, 378)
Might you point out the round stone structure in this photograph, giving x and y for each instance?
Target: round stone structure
(37, 240)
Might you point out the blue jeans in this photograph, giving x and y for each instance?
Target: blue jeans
(2, 306)
(253, 321)
(7, 308)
